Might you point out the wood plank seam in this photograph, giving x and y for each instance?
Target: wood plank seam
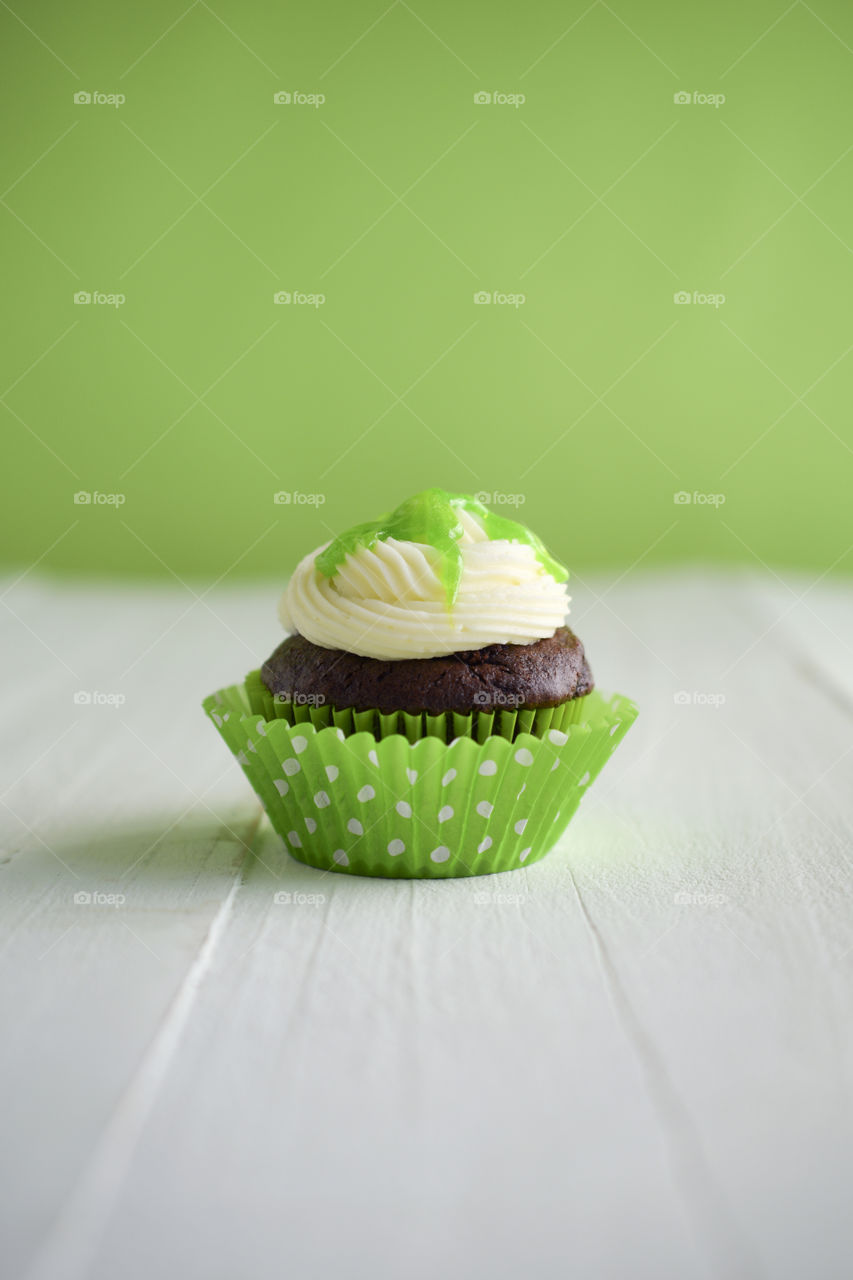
(72, 1242)
(717, 1231)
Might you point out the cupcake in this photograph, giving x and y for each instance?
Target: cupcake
(429, 712)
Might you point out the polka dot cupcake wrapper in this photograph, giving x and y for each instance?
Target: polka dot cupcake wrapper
(430, 808)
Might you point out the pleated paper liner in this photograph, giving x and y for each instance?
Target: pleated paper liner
(388, 806)
(508, 722)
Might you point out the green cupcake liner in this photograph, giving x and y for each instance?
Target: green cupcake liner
(388, 806)
(508, 722)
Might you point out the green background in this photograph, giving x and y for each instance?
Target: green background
(398, 198)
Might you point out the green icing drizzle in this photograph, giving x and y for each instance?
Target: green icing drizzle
(431, 517)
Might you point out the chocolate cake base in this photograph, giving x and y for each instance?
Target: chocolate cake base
(512, 676)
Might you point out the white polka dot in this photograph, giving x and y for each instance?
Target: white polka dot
(332, 772)
(584, 780)
(341, 735)
(299, 744)
(396, 847)
(614, 727)
(310, 826)
(524, 854)
(555, 765)
(365, 794)
(558, 737)
(373, 758)
(520, 825)
(485, 809)
(291, 767)
(281, 786)
(403, 808)
(556, 816)
(322, 800)
(412, 775)
(448, 777)
(355, 827)
(445, 813)
(523, 756)
(340, 858)
(261, 728)
(484, 844)
(441, 854)
(253, 746)
(522, 791)
(293, 839)
(487, 767)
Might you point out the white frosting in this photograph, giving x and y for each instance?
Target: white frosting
(388, 601)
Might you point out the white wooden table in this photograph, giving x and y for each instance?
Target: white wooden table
(635, 1059)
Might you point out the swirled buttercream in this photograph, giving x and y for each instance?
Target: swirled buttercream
(388, 598)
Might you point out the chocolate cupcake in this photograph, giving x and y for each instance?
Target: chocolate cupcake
(430, 712)
(441, 607)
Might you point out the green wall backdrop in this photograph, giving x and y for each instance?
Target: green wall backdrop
(582, 386)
